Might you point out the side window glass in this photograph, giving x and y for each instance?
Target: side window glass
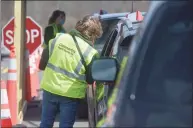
(121, 35)
(108, 26)
(109, 43)
(122, 46)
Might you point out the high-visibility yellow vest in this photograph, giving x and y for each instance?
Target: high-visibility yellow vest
(65, 73)
(55, 30)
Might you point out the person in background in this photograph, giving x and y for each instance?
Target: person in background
(55, 25)
(66, 76)
(102, 12)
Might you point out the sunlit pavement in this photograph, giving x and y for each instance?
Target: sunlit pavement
(33, 113)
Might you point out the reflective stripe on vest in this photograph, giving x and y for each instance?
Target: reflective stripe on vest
(80, 64)
(66, 73)
(55, 29)
(74, 75)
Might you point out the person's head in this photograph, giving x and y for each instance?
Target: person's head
(101, 12)
(63, 17)
(58, 17)
(90, 27)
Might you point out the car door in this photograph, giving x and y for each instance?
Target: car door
(118, 51)
(100, 105)
(104, 42)
(156, 88)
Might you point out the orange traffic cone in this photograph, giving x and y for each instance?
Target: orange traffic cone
(5, 111)
(32, 78)
(139, 16)
(12, 85)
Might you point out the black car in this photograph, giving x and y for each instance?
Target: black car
(116, 45)
(108, 21)
(155, 89)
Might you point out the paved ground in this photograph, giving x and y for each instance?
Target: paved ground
(32, 116)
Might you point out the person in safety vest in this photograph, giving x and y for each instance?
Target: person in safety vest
(55, 25)
(111, 100)
(65, 77)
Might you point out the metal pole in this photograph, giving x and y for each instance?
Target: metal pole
(132, 6)
(19, 42)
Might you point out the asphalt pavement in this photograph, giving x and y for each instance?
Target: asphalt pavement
(33, 113)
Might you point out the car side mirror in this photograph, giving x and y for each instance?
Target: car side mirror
(104, 69)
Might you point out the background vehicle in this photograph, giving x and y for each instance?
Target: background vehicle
(116, 44)
(156, 86)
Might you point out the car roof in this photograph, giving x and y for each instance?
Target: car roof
(111, 16)
(133, 26)
(122, 15)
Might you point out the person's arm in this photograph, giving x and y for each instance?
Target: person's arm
(48, 34)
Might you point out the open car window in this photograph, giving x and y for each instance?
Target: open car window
(108, 26)
(109, 43)
(121, 48)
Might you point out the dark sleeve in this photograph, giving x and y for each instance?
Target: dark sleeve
(48, 34)
(44, 59)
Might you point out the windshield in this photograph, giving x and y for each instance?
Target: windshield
(107, 26)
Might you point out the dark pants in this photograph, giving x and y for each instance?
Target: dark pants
(53, 104)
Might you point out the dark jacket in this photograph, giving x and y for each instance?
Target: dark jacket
(49, 33)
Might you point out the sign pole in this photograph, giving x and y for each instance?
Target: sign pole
(19, 42)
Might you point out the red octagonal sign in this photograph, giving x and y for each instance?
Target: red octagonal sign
(33, 34)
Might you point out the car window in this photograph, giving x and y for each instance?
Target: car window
(109, 43)
(121, 48)
(108, 26)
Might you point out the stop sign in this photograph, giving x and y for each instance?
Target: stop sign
(33, 34)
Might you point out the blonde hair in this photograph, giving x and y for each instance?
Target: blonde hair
(90, 27)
